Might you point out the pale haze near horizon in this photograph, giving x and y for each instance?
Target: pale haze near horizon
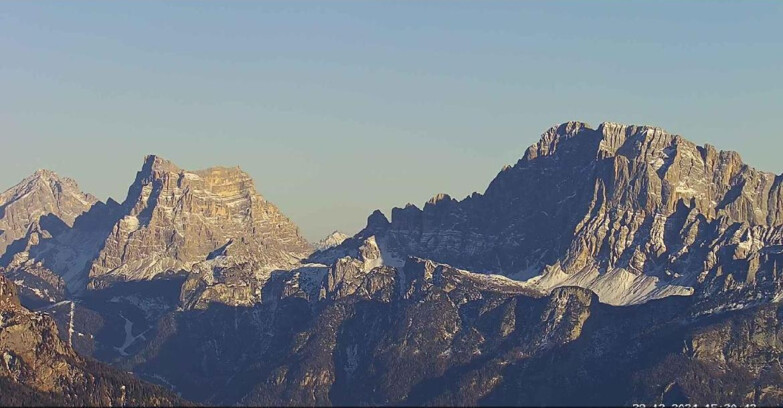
(336, 109)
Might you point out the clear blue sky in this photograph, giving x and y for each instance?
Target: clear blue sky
(337, 109)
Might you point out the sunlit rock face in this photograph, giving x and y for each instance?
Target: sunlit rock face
(633, 213)
(42, 198)
(175, 218)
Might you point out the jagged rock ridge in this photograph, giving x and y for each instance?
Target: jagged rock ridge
(398, 315)
(631, 212)
(42, 198)
(39, 211)
(171, 220)
(369, 330)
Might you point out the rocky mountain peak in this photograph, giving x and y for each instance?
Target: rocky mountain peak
(332, 240)
(42, 194)
(154, 163)
(631, 212)
(647, 138)
(459, 302)
(377, 221)
(438, 198)
(175, 218)
(160, 176)
(554, 137)
(44, 182)
(603, 141)
(44, 174)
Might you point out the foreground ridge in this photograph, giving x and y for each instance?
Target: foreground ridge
(38, 368)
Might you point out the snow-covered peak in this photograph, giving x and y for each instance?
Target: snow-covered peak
(331, 240)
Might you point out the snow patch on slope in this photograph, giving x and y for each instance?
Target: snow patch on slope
(129, 337)
(615, 287)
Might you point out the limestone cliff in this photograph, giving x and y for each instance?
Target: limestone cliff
(632, 212)
(43, 200)
(174, 218)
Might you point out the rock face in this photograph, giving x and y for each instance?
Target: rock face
(627, 263)
(56, 238)
(61, 259)
(221, 281)
(42, 202)
(38, 368)
(176, 218)
(631, 212)
(35, 213)
(212, 222)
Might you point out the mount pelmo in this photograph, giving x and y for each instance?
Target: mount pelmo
(173, 219)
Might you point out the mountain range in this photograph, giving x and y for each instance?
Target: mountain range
(608, 266)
